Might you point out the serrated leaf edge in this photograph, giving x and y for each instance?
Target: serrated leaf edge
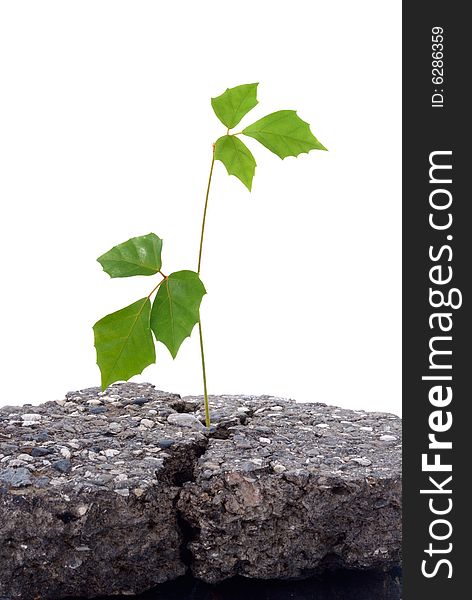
(289, 155)
(166, 283)
(249, 187)
(152, 269)
(227, 90)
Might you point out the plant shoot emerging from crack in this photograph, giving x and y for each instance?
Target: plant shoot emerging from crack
(124, 339)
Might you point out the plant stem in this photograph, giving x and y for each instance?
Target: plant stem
(205, 211)
(205, 390)
(154, 289)
(202, 352)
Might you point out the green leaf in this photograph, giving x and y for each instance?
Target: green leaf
(124, 343)
(138, 256)
(176, 308)
(237, 158)
(284, 134)
(233, 104)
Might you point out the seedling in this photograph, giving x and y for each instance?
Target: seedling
(124, 339)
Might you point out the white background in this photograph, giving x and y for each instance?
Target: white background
(105, 134)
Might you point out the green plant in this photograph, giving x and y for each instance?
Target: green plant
(123, 339)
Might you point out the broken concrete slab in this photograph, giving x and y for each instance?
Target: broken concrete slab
(113, 493)
(296, 490)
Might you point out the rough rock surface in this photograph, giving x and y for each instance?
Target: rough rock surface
(297, 489)
(115, 492)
